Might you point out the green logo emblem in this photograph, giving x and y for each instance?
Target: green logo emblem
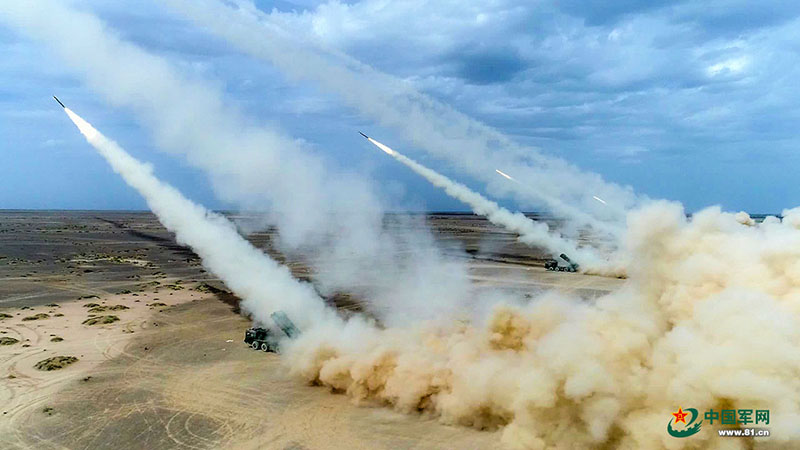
(690, 428)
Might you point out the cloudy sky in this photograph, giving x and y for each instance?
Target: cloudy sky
(690, 101)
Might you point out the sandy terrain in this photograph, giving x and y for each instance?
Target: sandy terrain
(25, 390)
(183, 384)
(179, 376)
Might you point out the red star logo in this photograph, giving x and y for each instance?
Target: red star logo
(680, 416)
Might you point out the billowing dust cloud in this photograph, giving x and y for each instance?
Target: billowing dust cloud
(709, 317)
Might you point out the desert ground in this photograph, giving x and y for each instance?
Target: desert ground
(165, 365)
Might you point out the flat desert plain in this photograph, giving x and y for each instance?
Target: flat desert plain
(160, 361)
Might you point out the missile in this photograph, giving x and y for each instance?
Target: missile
(504, 175)
(59, 102)
(363, 135)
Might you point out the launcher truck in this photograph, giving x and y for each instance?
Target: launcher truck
(265, 339)
(553, 264)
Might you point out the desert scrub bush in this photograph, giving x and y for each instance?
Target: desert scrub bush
(55, 363)
(39, 316)
(98, 309)
(100, 320)
(5, 340)
(203, 287)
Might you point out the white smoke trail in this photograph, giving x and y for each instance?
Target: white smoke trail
(604, 230)
(530, 232)
(468, 144)
(334, 218)
(263, 285)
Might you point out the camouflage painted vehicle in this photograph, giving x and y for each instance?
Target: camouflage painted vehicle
(261, 339)
(552, 264)
(264, 339)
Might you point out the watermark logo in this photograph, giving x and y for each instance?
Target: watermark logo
(689, 428)
(685, 423)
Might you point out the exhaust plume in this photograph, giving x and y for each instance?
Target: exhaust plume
(263, 285)
(530, 232)
(603, 230)
(468, 144)
(330, 218)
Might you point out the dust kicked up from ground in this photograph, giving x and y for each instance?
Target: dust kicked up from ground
(172, 371)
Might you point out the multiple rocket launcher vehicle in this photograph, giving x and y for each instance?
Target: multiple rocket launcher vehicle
(265, 339)
(553, 265)
(550, 264)
(261, 338)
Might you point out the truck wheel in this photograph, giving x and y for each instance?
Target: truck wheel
(254, 345)
(264, 347)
